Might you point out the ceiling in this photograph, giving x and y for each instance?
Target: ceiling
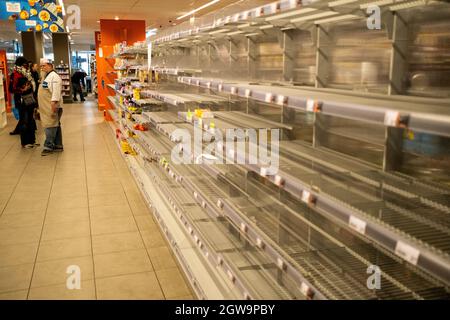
(156, 13)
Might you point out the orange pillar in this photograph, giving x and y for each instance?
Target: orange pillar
(111, 33)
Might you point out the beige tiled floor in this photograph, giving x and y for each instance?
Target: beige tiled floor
(82, 208)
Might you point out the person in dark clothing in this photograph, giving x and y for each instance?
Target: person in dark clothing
(78, 84)
(28, 104)
(20, 71)
(34, 69)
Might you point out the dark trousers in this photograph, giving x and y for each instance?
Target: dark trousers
(53, 136)
(28, 126)
(77, 89)
(17, 104)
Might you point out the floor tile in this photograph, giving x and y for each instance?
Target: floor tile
(119, 263)
(15, 278)
(14, 295)
(110, 211)
(140, 286)
(61, 292)
(20, 235)
(67, 202)
(111, 199)
(117, 242)
(66, 231)
(146, 223)
(55, 272)
(65, 248)
(172, 283)
(22, 220)
(25, 205)
(18, 254)
(112, 225)
(71, 215)
(161, 258)
(153, 239)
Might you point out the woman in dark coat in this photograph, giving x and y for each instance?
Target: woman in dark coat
(28, 105)
(20, 71)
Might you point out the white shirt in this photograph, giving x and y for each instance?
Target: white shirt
(54, 83)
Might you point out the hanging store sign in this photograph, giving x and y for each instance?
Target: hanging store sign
(33, 15)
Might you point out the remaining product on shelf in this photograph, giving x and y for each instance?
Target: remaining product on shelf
(3, 117)
(94, 75)
(64, 72)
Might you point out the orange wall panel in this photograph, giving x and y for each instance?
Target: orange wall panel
(111, 33)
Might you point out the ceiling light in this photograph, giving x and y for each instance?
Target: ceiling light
(334, 19)
(116, 18)
(340, 2)
(198, 9)
(290, 14)
(376, 3)
(408, 5)
(234, 33)
(314, 16)
(98, 21)
(61, 3)
(219, 31)
(269, 26)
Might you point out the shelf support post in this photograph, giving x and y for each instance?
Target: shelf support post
(399, 63)
(288, 56)
(323, 44)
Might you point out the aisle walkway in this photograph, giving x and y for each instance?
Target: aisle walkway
(79, 208)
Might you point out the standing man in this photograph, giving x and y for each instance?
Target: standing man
(50, 108)
(78, 84)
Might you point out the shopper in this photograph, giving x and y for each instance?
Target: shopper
(50, 107)
(34, 70)
(20, 71)
(78, 84)
(28, 105)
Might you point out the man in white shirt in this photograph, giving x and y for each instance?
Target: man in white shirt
(50, 107)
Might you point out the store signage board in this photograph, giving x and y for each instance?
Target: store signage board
(33, 15)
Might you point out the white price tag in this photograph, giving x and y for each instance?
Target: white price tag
(263, 171)
(13, 7)
(281, 264)
(230, 275)
(279, 181)
(357, 224)
(391, 118)
(219, 261)
(269, 97)
(247, 93)
(260, 243)
(30, 23)
(310, 105)
(220, 87)
(233, 90)
(306, 196)
(189, 81)
(304, 288)
(281, 100)
(208, 85)
(243, 227)
(220, 204)
(406, 252)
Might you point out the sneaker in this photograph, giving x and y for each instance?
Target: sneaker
(12, 133)
(37, 144)
(46, 152)
(29, 146)
(58, 149)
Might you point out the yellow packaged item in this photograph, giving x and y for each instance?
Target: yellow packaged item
(136, 94)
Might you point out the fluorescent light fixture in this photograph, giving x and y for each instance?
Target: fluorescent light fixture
(234, 33)
(61, 3)
(376, 3)
(314, 16)
(244, 25)
(116, 18)
(334, 19)
(340, 2)
(269, 26)
(252, 34)
(219, 31)
(290, 14)
(198, 9)
(407, 5)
